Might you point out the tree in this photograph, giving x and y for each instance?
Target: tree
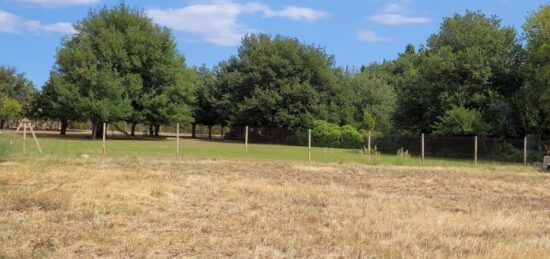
(276, 82)
(15, 86)
(371, 97)
(207, 108)
(460, 121)
(59, 100)
(124, 67)
(10, 109)
(534, 97)
(472, 62)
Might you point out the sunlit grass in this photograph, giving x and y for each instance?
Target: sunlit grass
(54, 146)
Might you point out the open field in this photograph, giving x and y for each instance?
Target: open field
(77, 145)
(134, 207)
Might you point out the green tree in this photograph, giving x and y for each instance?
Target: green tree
(58, 100)
(534, 97)
(207, 108)
(372, 96)
(15, 86)
(472, 61)
(460, 121)
(277, 82)
(124, 67)
(10, 109)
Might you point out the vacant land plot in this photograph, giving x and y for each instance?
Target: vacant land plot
(133, 207)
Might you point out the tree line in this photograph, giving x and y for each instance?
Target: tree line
(474, 76)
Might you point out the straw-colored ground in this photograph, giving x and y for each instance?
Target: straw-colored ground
(163, 208)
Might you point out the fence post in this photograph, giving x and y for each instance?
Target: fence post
(525, 150)
(368, 147)
(24, 137)
(309, 147)
(104, 133)
(475, 150)
(177, 139)
(246, 143)
(422, 148)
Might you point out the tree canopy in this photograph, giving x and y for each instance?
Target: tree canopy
(119, 65)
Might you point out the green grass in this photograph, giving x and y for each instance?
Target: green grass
(54, 146)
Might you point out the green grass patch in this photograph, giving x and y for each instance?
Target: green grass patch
(66, 147)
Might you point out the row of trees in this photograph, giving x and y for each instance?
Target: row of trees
(473, 76)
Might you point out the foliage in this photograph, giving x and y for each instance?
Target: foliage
(534, 96)
(120, 66)
(327, 134)
(368, 123)
(472, 61)
(460, 121)
(276, 82)
(16, 86)
(10, 109)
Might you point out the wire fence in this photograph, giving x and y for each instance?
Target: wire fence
(312, 145)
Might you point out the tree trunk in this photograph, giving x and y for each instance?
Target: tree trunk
(133, 130)
(151, 132)
(64, 125)
(193, 130)
(2, 124)
(157, 130)
(209, 131)
(221, 131)
(97, 131)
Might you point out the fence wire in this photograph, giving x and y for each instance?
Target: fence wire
(515, 150)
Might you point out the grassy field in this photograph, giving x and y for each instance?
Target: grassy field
(209, 208)
(76, 146)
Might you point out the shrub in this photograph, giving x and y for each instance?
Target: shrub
(326, 134)
(351, 138)
(461, 121)
(507, 152)
(331, 135)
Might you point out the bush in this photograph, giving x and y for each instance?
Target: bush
(460, 121)
(326, 134)
(331, 135)
(351, 138)
(507, 152)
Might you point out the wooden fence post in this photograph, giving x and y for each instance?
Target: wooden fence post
(104, 134)
(422, 148)
(246, 143)
(368, 147)
(177, 139)
(525, 150)
(25, 137)
(475, 150)
(309, 147)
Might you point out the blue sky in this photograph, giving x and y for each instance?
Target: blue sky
(355, 31)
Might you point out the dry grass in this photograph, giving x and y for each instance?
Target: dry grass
(162, 208)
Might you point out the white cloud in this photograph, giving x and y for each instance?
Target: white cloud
(58, 2)
(393, 7)
(398, 19)
(371, 36)
(298, 13)
(15, 24)
(217, 22)
(8, 22)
